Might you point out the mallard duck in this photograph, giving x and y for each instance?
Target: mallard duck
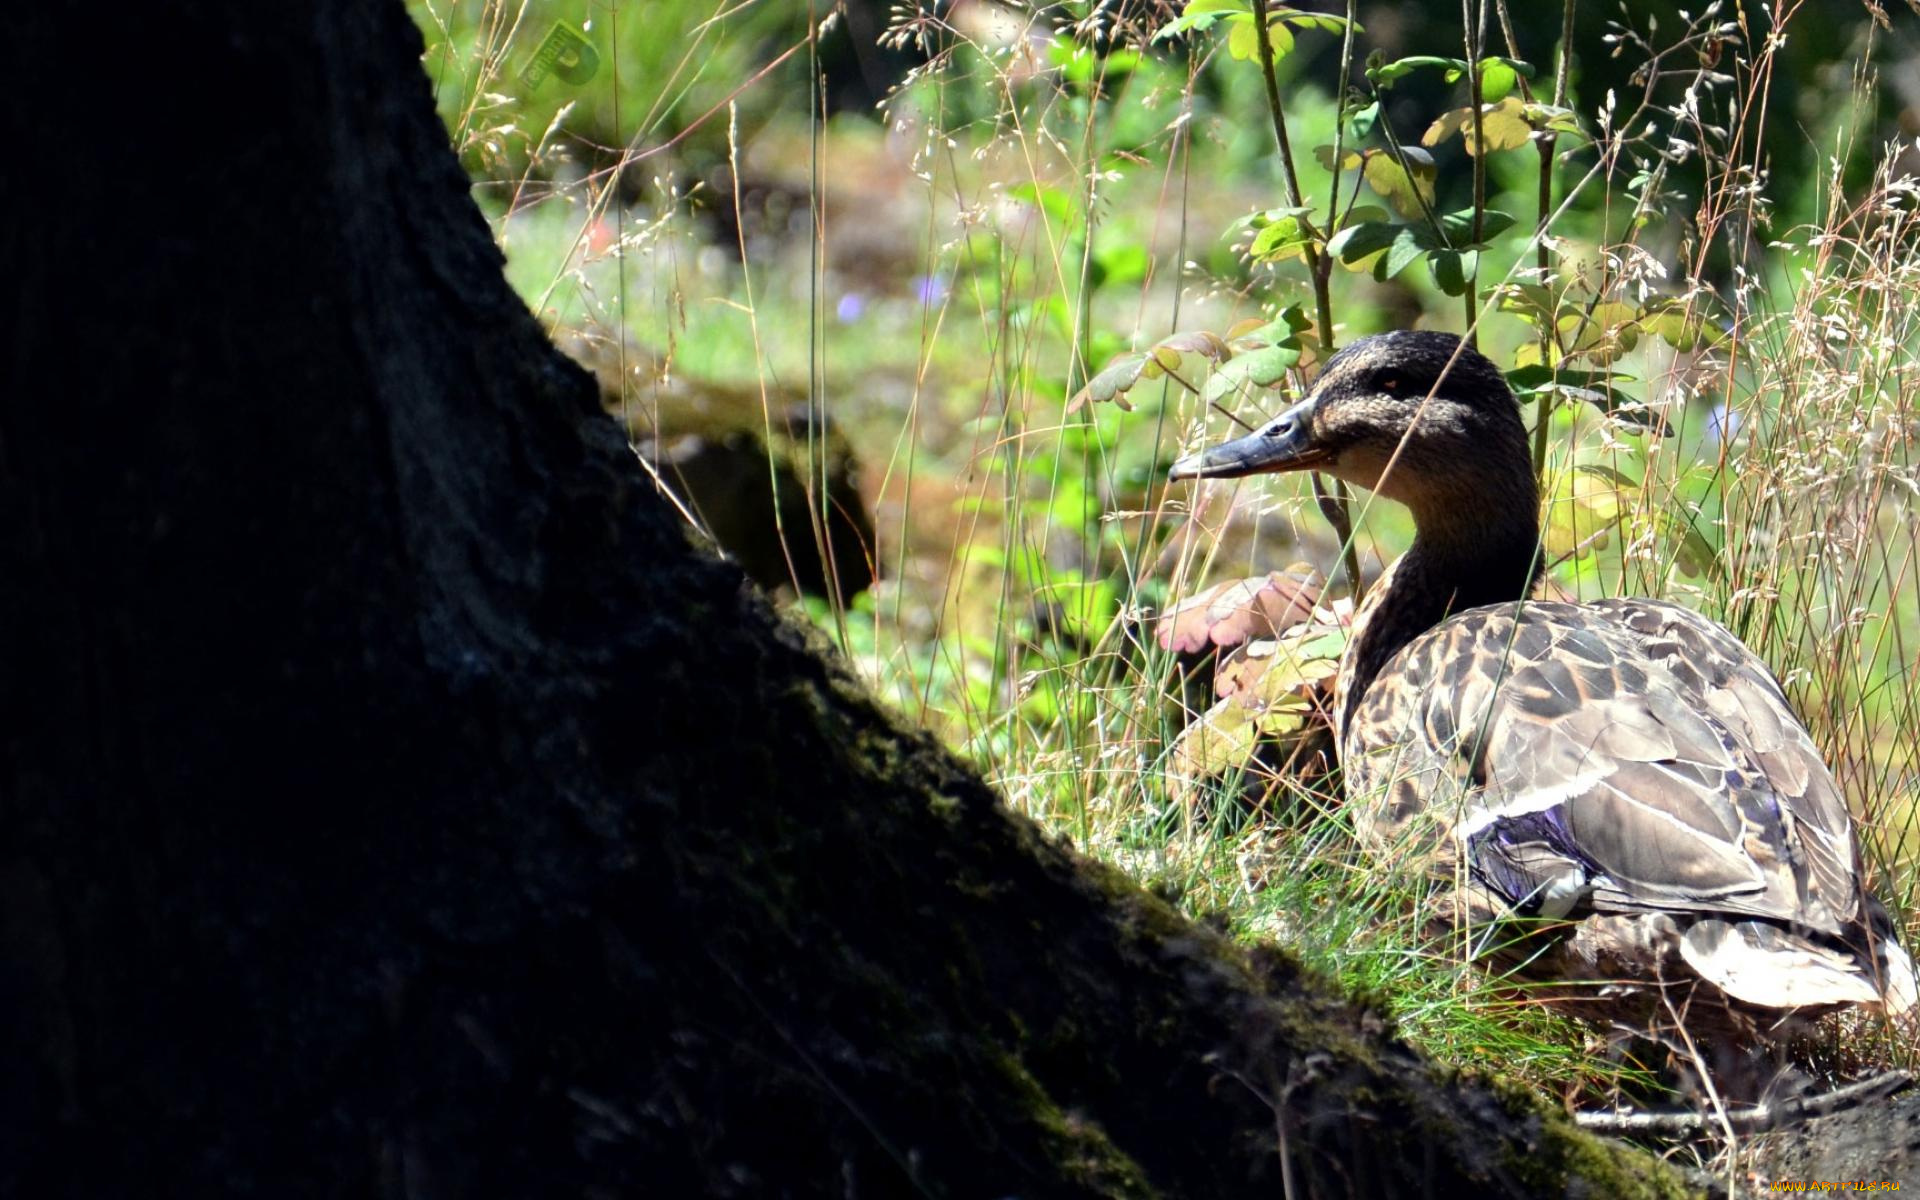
(1626, 767)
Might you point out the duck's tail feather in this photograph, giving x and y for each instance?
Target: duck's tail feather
(1770, 966)
(1901, 991)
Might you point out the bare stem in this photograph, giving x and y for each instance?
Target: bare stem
(1472, 16)
(1289, 178)
(1543, 410)
(1758, 1119)
(1337, 507)
(1543, 141)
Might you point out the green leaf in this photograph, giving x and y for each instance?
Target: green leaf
(1503, 126)
(1404, 187)
(1693, 553)
(1445, 126)
(1497, 78)
(1186, 356)
(1678, 327)
(1261, 368)
(1281, 36)
(1112, 382)
(1619, 479)
(1361, 239)
(1411, 242)
(1536, 377)
(1384, 75)
(1533, 354)
(1408, 188)
(1266, 367)
(1458, 226)
(1591, 385)
(1257, 332)
(1321, 22)
(1584, 508)
(1271, 688)
(1453, 269)
(1259, 220)
(1349, 157)
(1529, 301)
(1362, 119)
(1221, 739)
(1203, 342)
(1602, 333)
(1243, 42)
(1272, 679)
(1288, 237)
(1558, 120)
(1390, 249)
(1200, 15)
(1168, 356)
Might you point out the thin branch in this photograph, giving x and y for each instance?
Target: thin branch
(1543, 410)
(1473, 20)
(1289, 178)
(1215, 405)
(1758, 1119)
(1336, 507)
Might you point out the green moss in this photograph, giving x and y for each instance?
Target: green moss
(1605, 1168)
(1560, 1152)
(1077, 1146)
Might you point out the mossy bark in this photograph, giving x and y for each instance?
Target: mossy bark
(396, 803)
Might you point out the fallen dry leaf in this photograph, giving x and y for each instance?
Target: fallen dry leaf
(1274, 691)
(1241, 610)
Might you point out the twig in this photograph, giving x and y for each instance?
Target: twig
(1758, 1119)
(1334, 507)
(1546, 139)
(1706, 1076)
(1474, 17)
(1289, 179)
(1319, 266)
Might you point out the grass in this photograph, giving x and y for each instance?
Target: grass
(1047, 189)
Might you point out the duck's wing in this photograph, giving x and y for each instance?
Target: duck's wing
(1625, 756)
(1628, 758)
(1794, 821)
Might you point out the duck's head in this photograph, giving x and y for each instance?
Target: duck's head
(1416, 416)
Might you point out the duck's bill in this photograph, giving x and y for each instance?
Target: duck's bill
(1256, 454)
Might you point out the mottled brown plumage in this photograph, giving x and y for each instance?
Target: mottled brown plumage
(1627, 765)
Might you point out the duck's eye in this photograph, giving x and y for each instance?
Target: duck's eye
(1390, 384)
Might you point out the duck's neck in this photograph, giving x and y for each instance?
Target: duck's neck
(1462, 557)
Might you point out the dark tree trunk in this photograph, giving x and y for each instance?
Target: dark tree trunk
(395, 803)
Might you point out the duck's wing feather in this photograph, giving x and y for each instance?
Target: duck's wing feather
(1623, 756)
